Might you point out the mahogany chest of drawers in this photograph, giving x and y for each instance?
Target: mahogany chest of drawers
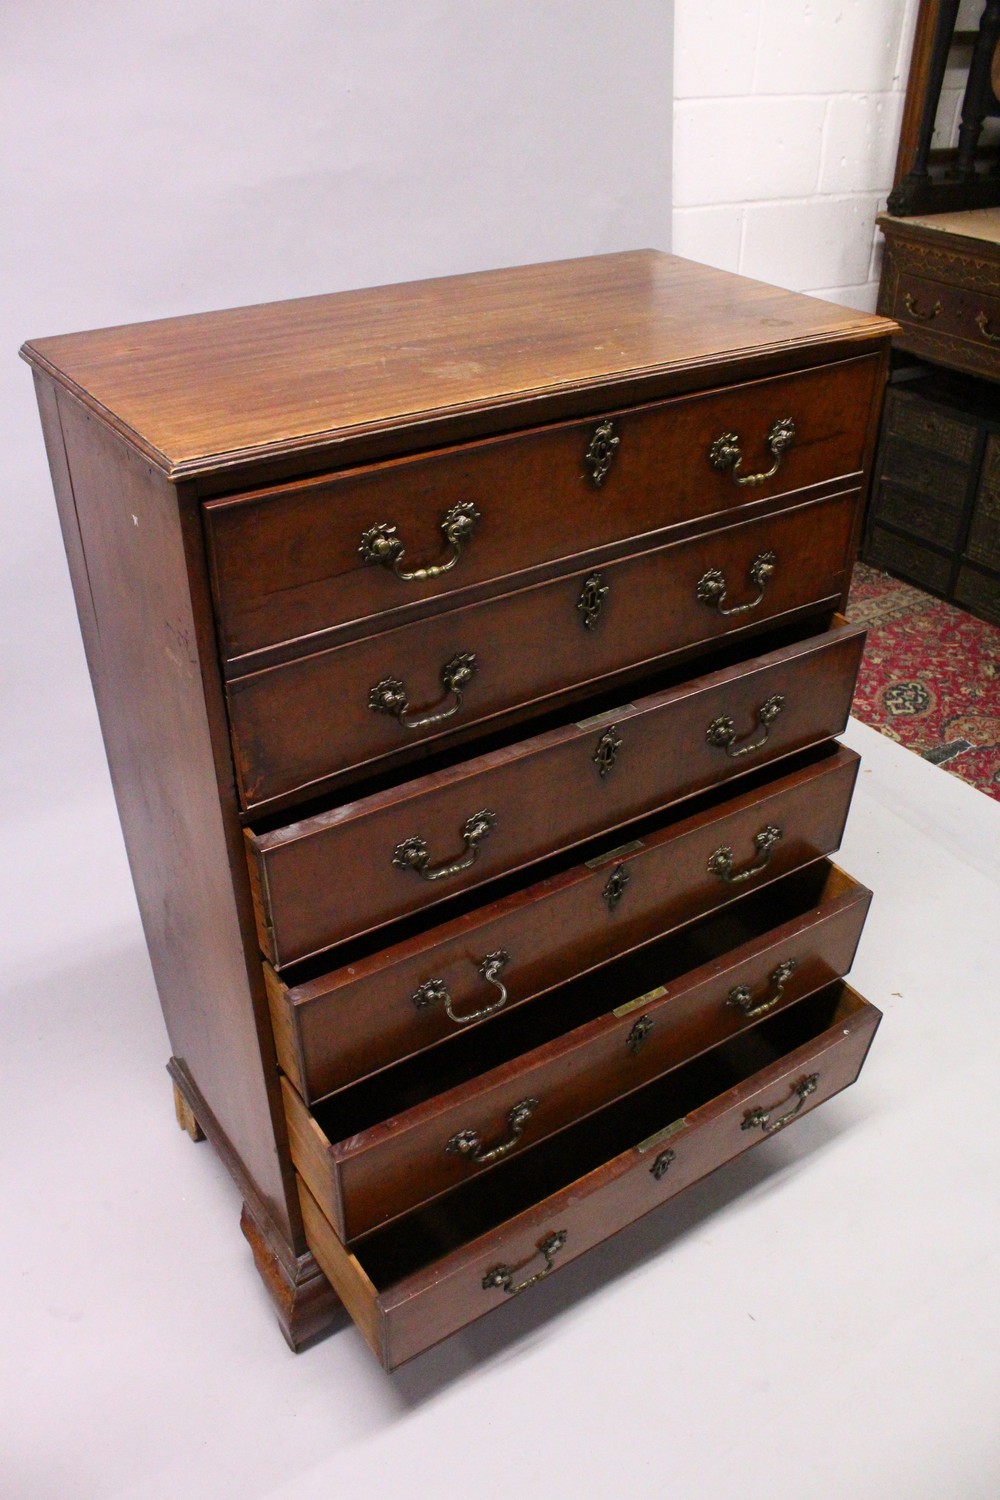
(469, 661)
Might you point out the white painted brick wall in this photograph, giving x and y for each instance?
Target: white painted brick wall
(786, 123)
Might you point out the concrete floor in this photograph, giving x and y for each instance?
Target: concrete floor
(819, 1319)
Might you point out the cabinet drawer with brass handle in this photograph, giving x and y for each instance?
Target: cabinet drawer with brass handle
(452, 829)
(416, 1281)
(421, 1129)
(934, 310)
(395, 540)
(385, 701)
(382, 1004)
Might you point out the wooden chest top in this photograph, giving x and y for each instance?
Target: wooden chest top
(405, 365)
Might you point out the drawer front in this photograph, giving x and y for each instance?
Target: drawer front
(949, 311)
(398, 1002)
(925, 473)
(921, 423)
(432, 1148)
(925, 305)
(287, 563)
(300, 726)
(402, 1317)
(934, 520)
(417, 844)
(887, 549)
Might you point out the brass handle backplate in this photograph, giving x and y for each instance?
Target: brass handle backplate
(502, 1277)
(910, 303)
(720, 861)
(591, 600)
(435, 991)
(662, 1163)
(382, 546)
(754, 1118)
(637, 1036)
(607, 752)
(740, 996)
(390, 696)
(614, 888)
(711, 588)
(983, 324)
(726, 455)
(601, 450)
(468, 1143)
(721, 733)
(413, 854)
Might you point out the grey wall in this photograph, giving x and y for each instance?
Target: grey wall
(180, 155)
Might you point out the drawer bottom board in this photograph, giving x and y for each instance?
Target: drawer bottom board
(413, 1284)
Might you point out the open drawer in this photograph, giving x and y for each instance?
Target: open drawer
(412, 845)
(416, 1282)
(423, 1129)
(432, 984)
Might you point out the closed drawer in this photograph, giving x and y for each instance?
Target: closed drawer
(931, 519)
(415, 1282)
(887, 549)
(915, 469)
(920, 422)
(949, 310)
(289, 563)
(367, 1159)
(299, 727)
(338, 874)
(382, 1005)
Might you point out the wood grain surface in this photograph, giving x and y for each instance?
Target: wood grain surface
(416, 1283)
(306, 904)
(287, 565)
(379, 1171)
(215, 388)
(341, 1026)
(300, 729)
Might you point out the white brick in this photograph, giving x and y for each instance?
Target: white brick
(946, 120)
(860, 142)
(714, 46)
(862, 297)
(824, 242)
(828, 46)
(733, 150)
(711, 235)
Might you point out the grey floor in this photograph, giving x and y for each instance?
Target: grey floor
(819, 1319)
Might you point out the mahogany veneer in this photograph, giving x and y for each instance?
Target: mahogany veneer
(388, 906)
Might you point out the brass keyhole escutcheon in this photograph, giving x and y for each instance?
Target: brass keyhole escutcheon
(600, 454)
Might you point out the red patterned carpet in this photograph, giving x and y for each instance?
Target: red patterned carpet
(930, 677)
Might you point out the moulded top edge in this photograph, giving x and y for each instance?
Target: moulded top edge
(214, 390)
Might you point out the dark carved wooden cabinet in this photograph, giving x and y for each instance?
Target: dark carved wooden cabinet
(469, 659)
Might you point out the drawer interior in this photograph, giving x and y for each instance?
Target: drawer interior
(387, 1094)
(411, 1243)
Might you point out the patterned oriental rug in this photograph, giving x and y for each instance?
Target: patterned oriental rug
(930, 677)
